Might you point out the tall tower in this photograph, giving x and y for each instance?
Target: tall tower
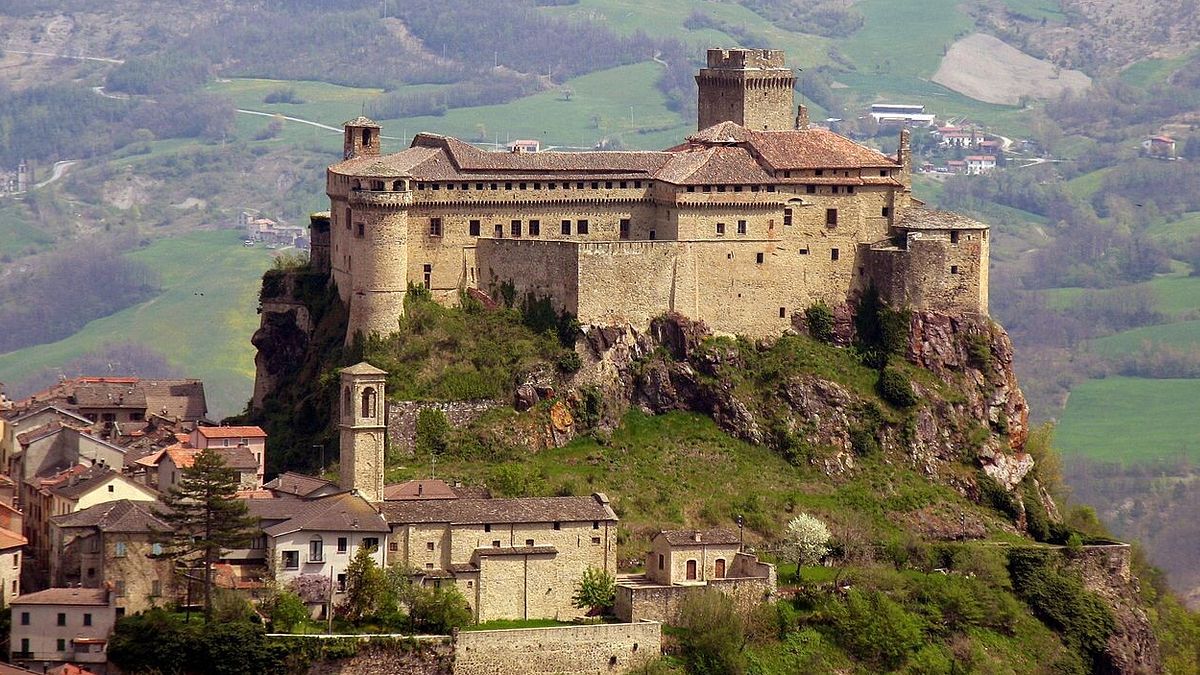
(749, 86)
(363, 430)
(360, 138)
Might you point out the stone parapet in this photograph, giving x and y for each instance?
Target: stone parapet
(372, 198)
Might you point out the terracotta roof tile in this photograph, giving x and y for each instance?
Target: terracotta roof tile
(231, 432)
(297, 484)
(123, 515)
(335, 513)
(10, 539)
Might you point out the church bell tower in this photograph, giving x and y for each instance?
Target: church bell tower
(363, 430)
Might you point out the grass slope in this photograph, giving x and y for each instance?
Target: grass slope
(205, 336)
(1128, 419)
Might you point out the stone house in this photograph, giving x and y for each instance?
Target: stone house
(60, 625)
(320, 536)
(300, 486)
(168, 464)
(12, 545)
(111, 545)
(979, 164)
(34, 417)
(511, 558)
(1159, 146)
(691, 556)
(252, 438)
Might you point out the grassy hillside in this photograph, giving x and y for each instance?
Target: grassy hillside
(1129, 419)
(202, 321)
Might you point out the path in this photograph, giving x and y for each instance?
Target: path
(60, 170)
(299, 120)
(102, 59)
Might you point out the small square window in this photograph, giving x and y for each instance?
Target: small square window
(495, 543)
(953, 240)
(474, 225)
(87, 619)
(758, 258)
(393, 546)
(833, 254)
(566, 227)
(61, 644)
(742, 227)
(487, 527)
(516, 228)
(782, 312)
(596, 540)
(581, 226)
(595, 524)
(720, 228)
(435, 227)
(429, 546)
(535, 227)
(810, 189)
(557, 525)
(529, 542)
(62, 619)
(24, 618)
(831, 217)
(954, 269)
(885, 211)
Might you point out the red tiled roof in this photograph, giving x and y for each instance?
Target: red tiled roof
(232, 432)
(10, 539)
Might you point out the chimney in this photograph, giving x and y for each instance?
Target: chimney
(420, 489)
(696, 536)
(802, 117)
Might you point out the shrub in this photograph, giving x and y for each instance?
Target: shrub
(871, 625)
(979, 351)
(895, 388)
(819, 319)
(432, 431)
(439, 610)
(1059, 599)
(596, 591)
(713, 637)
(569, 363)
(288, 612)
(993, 494)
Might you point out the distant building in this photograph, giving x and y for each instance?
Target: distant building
(525, 145)
(979, 164)
(1159, 146)
(899, 113)
(61, 625)
(270, 232)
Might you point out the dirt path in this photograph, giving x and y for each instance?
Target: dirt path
(102, 59)
(989, 70)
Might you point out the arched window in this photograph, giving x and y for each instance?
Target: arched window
(368, 403)
(316, 549)
(346, 409)
(398, 186)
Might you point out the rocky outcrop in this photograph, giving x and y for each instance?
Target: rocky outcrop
(281, 340)
(1105, 569)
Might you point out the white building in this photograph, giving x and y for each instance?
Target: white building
(61, 625)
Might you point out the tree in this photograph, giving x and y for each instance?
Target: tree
(366, 586)
(288, 612)
(714, 634)
(595, 591)
(438, 610)
(205, 517)
(807, 540)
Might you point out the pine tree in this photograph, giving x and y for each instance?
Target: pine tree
(205, 517)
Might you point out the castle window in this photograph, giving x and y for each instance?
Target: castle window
(551, 186)
(495, 543)
(758, 258)
(566, 186)
(883, 172)
(691, 188)
(499, 231)
(595, 524)
(449, 186)
(595, 541)
(420, 186)
(566, 227)
(346, 402)
(720, 188)
(741, 227)
(516, 228)
(608, 185)
(787, 217)
(366, 138)
(595, 185)
(522, 186)
(436, 186)
(661, 559)
(579, 185)
(810, 189)
(754, 188)
(623, 185)
(652, 235)
(637, 184)
(581, 226)
(361, 230)
(535, 227)
(368, 400)
(435, 227)
(397, 186)
(493, 186)
(885, 211)
(429, 546)
(625, 228)
(557, 525)
(474, 225)
(737, 188)
(820, 172)
(833, 254)
(487, 527)
(720, 228)
(529, 542)
(479, 186)
(834, 189)
(954, 269)
(348, 219)
(508, 186)
(787, 174)
(428, 270)
(770, 188)
(537, 186)
(953, 237)
(831, 217)
(783, 312)
(707, 188)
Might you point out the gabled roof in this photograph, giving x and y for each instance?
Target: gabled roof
(64, 596)
(11, 540)
(363, 368)
(713, 537)
(231, 432)
(428, 488)
(343, 512)
(515, 550)
(298, 484)
(274, 510)
(83, 421)
(123, 515)
(91, 479)
(109, 393)
(496, 511)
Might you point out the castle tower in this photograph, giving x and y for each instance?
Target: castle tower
(362, 409)
(22, 177)
(749, 86)
(360, 138)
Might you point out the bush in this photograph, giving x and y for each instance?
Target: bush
(288, 612)
(894, 387)
(873, 626)
(596, 591)
(569, 363)
(432, 432)
(819, 319)
(1059, 599)
(714, 635)
(439, 610)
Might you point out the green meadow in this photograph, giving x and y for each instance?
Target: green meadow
(1126, 419)
(201, 322)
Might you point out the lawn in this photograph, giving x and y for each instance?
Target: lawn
(202, 321)
(1152, 71)
(1128, 419)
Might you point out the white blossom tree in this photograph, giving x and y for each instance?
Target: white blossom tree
(806, 539)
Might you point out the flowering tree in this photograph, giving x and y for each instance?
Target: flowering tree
(312, 588)
(806, 540)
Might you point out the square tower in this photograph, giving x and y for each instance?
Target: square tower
(751, 87)
(360, 138)
(363, 430)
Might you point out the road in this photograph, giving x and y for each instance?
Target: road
(102, 59)
(299, 120)
(60, 170)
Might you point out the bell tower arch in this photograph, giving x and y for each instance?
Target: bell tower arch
(362, 414)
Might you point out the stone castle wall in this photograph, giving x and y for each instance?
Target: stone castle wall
(573, 650)
(402, 418)
(930, 269)
(665, 603)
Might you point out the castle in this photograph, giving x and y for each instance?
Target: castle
(746, 223)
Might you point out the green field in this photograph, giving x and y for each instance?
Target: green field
(205, 336)
(1177, 231)
(1182, 335)
(17, 234)
(1084, 186)
(1129, 419)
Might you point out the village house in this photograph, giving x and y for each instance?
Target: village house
(1159, 146)
(60, 625)
(121, 399)
(979, 164)
(112, 545)
(691, 556)
(242, 448)
(298, 485)
(12, 546)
